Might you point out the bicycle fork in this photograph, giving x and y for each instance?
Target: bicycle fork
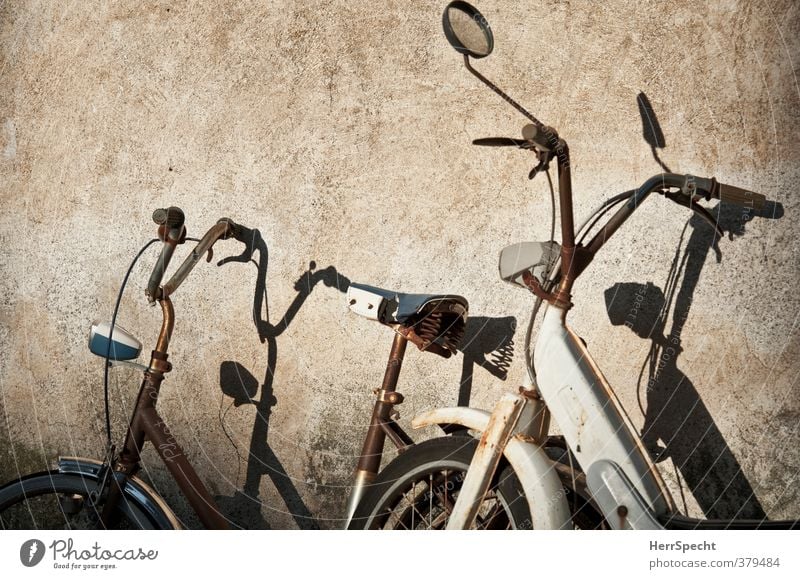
(484, 463)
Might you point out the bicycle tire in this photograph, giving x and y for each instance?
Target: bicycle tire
(583, 510)
(432, 473)
(54, 500)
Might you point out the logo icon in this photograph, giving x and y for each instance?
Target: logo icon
(32, 552)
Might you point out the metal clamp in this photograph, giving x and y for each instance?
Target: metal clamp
(388, 397)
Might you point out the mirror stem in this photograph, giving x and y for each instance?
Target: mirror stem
(499, 92)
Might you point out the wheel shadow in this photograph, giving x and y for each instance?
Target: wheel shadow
(236, 382)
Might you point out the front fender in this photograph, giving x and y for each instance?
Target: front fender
(540, 481)
(136, 490)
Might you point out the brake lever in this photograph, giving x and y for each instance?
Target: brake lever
(544, 163)
(524, 144)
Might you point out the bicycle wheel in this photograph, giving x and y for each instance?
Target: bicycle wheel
(52, 500)
(584, 512)
(418, 490)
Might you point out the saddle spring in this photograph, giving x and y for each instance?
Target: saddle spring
(446, 327)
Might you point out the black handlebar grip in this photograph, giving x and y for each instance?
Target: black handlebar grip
(545, 138)
(172, 217)
(741, 197)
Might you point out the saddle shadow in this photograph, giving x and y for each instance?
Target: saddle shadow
(677, 423)
(236, 382)
(488, 343)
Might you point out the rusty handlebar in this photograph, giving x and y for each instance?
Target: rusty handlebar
(172, 232)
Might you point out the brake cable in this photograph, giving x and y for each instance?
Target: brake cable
(600, 211)
(107, 359)
(529, 333)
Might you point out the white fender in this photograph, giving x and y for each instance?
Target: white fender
(540, 481)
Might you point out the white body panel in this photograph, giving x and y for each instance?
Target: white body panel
(587, 411)
(540, 482)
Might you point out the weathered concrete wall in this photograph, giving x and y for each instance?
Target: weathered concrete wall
(341, 132)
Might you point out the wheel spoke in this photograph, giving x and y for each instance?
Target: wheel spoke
(420, 488)
(430, 502)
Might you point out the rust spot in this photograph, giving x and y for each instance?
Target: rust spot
(622, 511)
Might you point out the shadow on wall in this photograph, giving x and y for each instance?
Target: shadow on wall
(244, 508)
(487, 343)
(677, 423)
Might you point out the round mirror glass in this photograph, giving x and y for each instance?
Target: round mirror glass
(467, 30)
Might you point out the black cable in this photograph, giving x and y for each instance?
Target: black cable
(111, 335)
(529, 333)
(552, 209)
(602, 210)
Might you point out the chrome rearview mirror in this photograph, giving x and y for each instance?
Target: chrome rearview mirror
(469, 33)
(467, 30)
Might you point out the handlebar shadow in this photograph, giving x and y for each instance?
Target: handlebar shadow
(675, 414)
(242, 387)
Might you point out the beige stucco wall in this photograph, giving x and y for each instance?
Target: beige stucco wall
(341, 132)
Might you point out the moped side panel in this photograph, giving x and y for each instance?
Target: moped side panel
(612, 490)
(588, 412)
(540, 481)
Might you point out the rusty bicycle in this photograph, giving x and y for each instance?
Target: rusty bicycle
(88, 493)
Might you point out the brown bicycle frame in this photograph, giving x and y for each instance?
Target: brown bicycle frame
(382, 425)
(146, 424)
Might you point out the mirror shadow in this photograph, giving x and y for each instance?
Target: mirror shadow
(677, 423)
(488, 343)
(244, 508)
(651, 129)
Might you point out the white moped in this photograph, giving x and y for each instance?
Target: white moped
(508, 471)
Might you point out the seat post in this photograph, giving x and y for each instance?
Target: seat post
(370, 460)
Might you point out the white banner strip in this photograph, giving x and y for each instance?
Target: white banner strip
(390, 555)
